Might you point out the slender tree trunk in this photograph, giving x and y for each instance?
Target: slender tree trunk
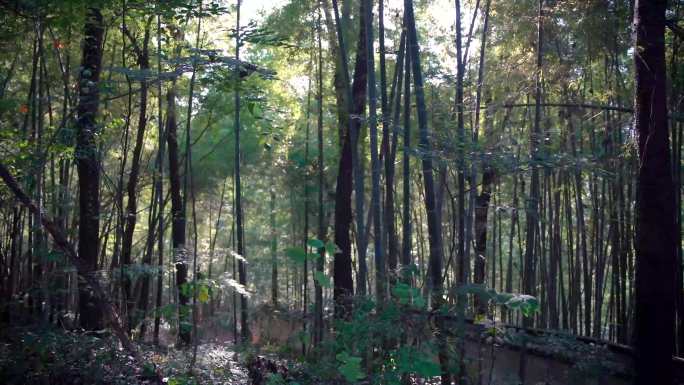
(532, 209)
(178, 218)
(39, 239)
(143, 300)
(390, 117)
(463, 261)
(274, 250)
(305, 235)
(242, 269)
(358, 102)
(555, 267)
(132, 185)
(88, 165)
(406, 242)
(159, 183)
(434, 230)
(320, 263)
(482, 201)
(380, 275)
(212, 245)
(189, 188)
(464, 220)
(354, 101)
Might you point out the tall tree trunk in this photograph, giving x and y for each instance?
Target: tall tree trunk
(212, 248)
(144, 298)
(406, 242)
(463, 261)
(532, 209)
(320, 263)
(390, 149)
(390, 117)
(132, 185)
(178, 218)
(189, 187)
(656, 226)
(463, 219)
(434, 228)
(159, 183)
(242, 269)
(39, 239)
(88, 165)
(305, 235)
(380, 267)
(274, 250)
(482, 201)
(358, 103)
(676, 106)
(354, 100)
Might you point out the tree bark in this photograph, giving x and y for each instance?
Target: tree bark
(380, 268)
(178, 218)
(242, 269)
(532, 209)
(358, 103)
(132, 185)
(434, 227)
(159, 183)
(406, 242)
(482, 201)
(656, 225)
(355, 101)
(88, 166)
(320, 263)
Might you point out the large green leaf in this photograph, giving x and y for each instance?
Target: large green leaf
(322, 279)
(350, 367)
(315, 243)
(527, 304)
(297, 254)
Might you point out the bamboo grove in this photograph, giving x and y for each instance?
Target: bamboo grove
(171, 167)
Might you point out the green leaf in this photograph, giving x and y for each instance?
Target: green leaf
(167, 311)
(418, 300)
(526, 304)
(52, 256)
(186, 289)
(350, 367)
(297, 254)
(203, 295)
(315, 243)
(304, 338)
(403, 292)
(331, 248)
(426, 368)
(408, 295)
(479, 290)
(322, 279)
(411, 360)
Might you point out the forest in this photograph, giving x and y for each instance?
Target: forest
(267, 192)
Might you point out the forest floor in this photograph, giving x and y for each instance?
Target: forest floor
(58, 357)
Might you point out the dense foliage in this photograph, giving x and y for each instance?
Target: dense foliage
(373, 190)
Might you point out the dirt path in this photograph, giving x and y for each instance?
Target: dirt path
(217, 363)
